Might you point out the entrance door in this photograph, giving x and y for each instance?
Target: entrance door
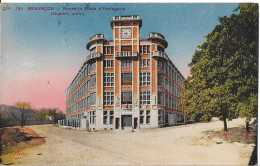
(126, 121)
(117, 123)
(135, 122)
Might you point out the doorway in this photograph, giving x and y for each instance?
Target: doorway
(126, 121)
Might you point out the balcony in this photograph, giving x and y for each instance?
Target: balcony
(94, 38)
(126, 54)
(158, 36)
(93, 56)
(160, 54)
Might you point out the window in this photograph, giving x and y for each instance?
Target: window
(108, 117)
(126, 97)
(93, 80)
(144, 97)
(105, 117)
(92, 117)
(160, 79)
(93, 98)
(126, 63)
(108, 50)
(145, 79)
(145, 63)
(141, 116)
(111, 117)
(161, 117)
(170, 102)
(126, 48)
(148, 116)
(172, 76)
(166, 101)
(161, 98)
(108, 79)
(174, 103)
(108, 98)
(178, 106)
(145, 117)
(166, 68)
(86, 101)
(126, 78)
(145, 49)
(181, 82)
(166, 84)
(109, 63)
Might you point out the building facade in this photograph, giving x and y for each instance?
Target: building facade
(127, 82)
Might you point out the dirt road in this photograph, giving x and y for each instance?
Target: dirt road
(181, 145)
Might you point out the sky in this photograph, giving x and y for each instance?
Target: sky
(41, 53)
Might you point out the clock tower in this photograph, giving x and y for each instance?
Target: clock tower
(126, 35)
(126, 49)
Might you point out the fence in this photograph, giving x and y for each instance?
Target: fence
(80, 124)
(8, 122)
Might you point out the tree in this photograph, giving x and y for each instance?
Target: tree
(224, 70)
(41, 114)
(59, 116)
(23, 108)
(246, 61)
(55, 113)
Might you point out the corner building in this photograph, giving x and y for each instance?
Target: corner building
(127, 82)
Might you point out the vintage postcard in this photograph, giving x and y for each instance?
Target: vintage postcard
(129, 83)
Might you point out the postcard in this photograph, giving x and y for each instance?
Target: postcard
(129, 83)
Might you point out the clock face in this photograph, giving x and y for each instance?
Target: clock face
(126, 33)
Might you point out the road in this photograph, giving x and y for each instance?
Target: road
(179, 145)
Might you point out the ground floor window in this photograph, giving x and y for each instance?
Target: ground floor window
(145, 117)
(108, 117)
(161, 117)
(141, 116)
(92, 117)
(105, 118)
(180, 118)
(148, 116)
(111, 117)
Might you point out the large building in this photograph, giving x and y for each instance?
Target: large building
(126, 82)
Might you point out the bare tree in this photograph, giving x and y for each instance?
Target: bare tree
(23, 108)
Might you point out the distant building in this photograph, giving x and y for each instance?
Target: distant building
(126, 82)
